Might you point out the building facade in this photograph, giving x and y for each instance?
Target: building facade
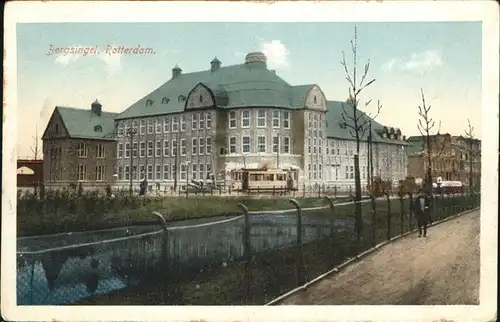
(226, 118)
(451, 158)
(79, 146)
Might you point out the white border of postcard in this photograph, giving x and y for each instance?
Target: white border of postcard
(485, 11)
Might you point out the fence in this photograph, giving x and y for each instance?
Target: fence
(257, 256)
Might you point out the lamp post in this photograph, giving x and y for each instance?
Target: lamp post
(131, 132)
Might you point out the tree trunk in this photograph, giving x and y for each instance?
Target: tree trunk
(357, 182)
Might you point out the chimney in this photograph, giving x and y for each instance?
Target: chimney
(215, 64)
(176, 71)
(96, 108)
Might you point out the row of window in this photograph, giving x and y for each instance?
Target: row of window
(316, 172)
(199, 146)
(82, 174)
(165, 171)
(199, 121)
(281, 144)
(316, 121)
(278, 118)
(100, 151)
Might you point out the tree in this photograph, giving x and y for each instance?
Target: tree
(469, 136)
(425, 126)
(35, 150)
(356, 121)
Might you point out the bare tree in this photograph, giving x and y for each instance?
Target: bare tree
(432, 148)
(356, 121)
(469, 136)
(35, 150)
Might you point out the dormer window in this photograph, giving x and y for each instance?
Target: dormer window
(314, 99)
(181, 98)
(165, 100)
(149, 102)
(201, 98)
(97, 128)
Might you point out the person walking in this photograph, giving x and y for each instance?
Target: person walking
(421, 211)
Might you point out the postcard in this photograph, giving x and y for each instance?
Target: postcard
(246, 161)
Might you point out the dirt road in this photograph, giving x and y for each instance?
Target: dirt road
(440, 269)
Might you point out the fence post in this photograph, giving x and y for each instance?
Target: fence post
(388, 216)
(299, 263)
(402, 209)
(164, 253)
(247, 251)
(332, 230)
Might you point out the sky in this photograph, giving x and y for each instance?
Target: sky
(442, 58)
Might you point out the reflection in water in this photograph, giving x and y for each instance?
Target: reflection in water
(66, 275)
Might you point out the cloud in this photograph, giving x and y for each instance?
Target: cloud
(65, 60)
(420, 62)
(276, 52)
(113, 61)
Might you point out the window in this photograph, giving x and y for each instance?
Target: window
(127, 150)
(166, 172)
(261, 118)
(150, 148)
(209, 120)
(150, 172)
(158, 172)
(175, 124)
(183, 123)
(127, 172)
(276, 143)
(183, 147)
(202, 145)
(174, 147)
(99, 151)
(261, 144)
(166, 148)
(286, 145)
(142, 127)
(142, 149)
(245, 119)
(286, 120)
(120, 173)
(202, 171)
(209, 168)
(309, 171)
(315, 171)
(134, 172)
(134, 149)
(320, 145)
(120, 130)
(194, 172)
(245, 144)
(309, 145)
(142, 172)
(347, 172)
(82, 150)
(150, 127)
(232, 144)
(320, 171)
(97, 128)
(194, 148)
(166, 125)
(81, 172)
(158, 126)
(232, 119)
(126, 128)
(183, 171)
(201, 120)
(315, 142)
(158, 148)
(276, 119)
(351, 175)
(165, 100)
(209, 145)
(194, 122)
(149, 102)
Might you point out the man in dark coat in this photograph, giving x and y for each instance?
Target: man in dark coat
(421, 210)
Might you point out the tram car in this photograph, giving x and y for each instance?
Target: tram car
(443, 186)
(264, 180)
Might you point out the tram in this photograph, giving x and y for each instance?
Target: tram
(264, 179)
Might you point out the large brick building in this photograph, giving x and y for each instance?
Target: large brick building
(451, 158)
(226, 118)
(79, 145)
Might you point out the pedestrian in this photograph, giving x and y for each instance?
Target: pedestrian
(421, 211)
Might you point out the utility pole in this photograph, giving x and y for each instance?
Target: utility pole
(131, 133)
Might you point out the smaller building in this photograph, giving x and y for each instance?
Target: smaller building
(79, 146)
(29, 173)
(453, 158)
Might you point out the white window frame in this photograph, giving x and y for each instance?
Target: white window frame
(276, 144)
(245, 119)
(166, 172)
(150, 149)
(81, 172)
(183, 171)
(126, 172)
(175, 124)
(119, 172)
(151, 127)
(166, 125)
(276, 119)
(232, 145)
(194, 121)
(174, 147)
(100, 151)
(142, 127)
(150, 172)
(201, 146)
(158, 126)
(135, 149)
(166, 148)
(183, 147)
(183, 123)
(119, 152)
(261, 118)
(121, 130)
(82, 150)
(158, 174)
(201, 120)
(232, 119)
(260, 145)
(286, 144)
(142, 172)
(209, 120)
(127, 150)
(248, 145)
(142, 149)
(194, 171)
(135, 173)
(201, 171)
(194, 146)
(315, 171)
(320, 171)
(208, 145)
(158, 148)
(286, 119)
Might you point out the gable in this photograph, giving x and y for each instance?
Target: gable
(199, 97)
(55, 127)
(316, 99)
